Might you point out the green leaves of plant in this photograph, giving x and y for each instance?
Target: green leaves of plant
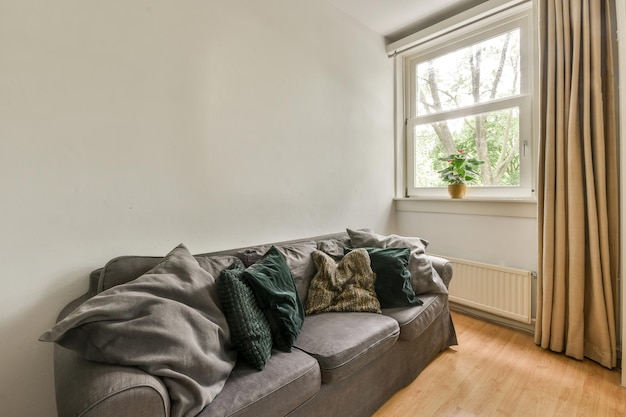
(461, 168)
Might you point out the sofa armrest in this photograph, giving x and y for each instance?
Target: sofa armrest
(443, 268)
(94, 277)
(92, 389)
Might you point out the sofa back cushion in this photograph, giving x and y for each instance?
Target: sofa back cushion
(124, 269)
(335, 247)
(298, 258)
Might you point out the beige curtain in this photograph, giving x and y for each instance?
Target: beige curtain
(577, 182)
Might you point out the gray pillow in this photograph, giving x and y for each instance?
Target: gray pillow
(424, 277)
(334, 248)
(298, 258)
(166, 322)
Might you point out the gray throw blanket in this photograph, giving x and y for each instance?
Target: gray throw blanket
(166, 322)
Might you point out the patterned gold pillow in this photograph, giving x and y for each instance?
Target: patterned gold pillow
(344, 286)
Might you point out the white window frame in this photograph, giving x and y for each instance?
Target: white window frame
(509, 16)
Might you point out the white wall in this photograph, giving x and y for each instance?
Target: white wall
(497, 240)
(128, 127)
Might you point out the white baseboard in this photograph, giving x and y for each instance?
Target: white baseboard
(503, 321)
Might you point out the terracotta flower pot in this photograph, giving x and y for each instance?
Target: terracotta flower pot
(457, 190)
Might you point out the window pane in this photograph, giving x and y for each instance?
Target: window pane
(491, 137)
(475, 74)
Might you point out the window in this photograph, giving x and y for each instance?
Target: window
(471, 89)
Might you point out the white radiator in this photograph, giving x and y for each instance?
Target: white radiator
(494, 289)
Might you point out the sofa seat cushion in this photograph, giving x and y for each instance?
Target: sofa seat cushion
(414, 320)
(344, 342)
(287, 381)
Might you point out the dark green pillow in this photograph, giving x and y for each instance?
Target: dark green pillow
(275, 292)
(250, 331)
(424, 277)
(393, 278)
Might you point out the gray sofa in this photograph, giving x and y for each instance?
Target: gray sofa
(342, 364)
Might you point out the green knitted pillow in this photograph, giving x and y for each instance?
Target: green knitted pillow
(250, 331)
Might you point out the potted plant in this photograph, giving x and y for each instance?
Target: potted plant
(460, 170)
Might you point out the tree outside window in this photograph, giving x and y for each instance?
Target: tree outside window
(473, 94)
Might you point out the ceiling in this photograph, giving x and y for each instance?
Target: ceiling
(395, 19)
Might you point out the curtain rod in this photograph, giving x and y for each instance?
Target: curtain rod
(457, 21)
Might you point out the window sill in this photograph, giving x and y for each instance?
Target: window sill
(503, 207)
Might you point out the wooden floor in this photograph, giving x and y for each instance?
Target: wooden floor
(496, 371)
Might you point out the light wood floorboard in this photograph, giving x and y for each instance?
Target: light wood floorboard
(496, 371)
